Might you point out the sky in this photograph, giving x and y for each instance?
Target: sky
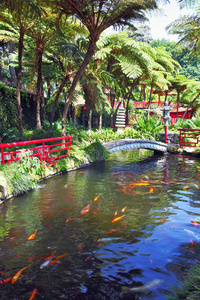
(158, 21)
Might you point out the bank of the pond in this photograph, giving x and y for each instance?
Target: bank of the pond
(18, 178)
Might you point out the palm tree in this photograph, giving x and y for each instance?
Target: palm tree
(97, 16)
(22, 13)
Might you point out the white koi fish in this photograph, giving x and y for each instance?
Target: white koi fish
(143, 289)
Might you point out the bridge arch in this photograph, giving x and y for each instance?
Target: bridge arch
(125, 144)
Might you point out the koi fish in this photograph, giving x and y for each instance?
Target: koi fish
(185, 187)
(89, 257)
(151, 190)
(52, 255)
(46, 262)
(32, 236)
(85, 209)
(3, 281)
(116, 230)
(144, 289)
(112, 231)
(53, 262)
(194, 222)
(118, 218)
(33, 294)
(192, 233)
(123, 209)
(96, 198)
(63, 255)
(69, 220)
(16, 276)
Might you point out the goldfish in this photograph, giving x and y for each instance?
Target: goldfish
(96, 198)
(85, 209)
(16, 276)
(32, 236)
(144, 289)
(151, 190)
(46, 262)
(118, 218)
(33, 294)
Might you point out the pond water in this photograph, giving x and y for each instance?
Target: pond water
(121, 223)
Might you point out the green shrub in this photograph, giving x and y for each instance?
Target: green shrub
(97, 151)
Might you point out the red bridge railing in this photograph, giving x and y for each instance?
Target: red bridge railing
(50, 153)
(189, 137)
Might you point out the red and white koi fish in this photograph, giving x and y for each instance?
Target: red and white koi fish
(85, 209)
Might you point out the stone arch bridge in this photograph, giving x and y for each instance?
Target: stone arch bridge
(125, 144)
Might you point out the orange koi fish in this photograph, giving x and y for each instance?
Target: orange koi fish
(16, 276)
(185, 187)
(3, 281)
(113, 231)
(151, 190)
(96, 198)
(118, 218)
(194, 222)
(89, 257)
(116, 230)
(32, 236)
(53, 262)
(85, 209)
(69, 220)
(33, 294)
(52, 255)
(63, 255)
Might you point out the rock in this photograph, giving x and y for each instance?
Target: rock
(171, 137)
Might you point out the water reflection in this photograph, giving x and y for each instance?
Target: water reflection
(154, 202)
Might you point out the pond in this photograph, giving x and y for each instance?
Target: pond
(126, 222)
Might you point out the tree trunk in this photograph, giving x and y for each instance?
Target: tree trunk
(178, 99)
(20, 53)
(83, 117)
(100, 121)
(88, 56)
(64, 81)
(12, 69)
(190, 105)
(40, 51)
(43, 103)
(151, 90)
(48, 88)
(135, 83)
(90, 121)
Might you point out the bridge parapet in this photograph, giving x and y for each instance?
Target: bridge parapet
(125, 144)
